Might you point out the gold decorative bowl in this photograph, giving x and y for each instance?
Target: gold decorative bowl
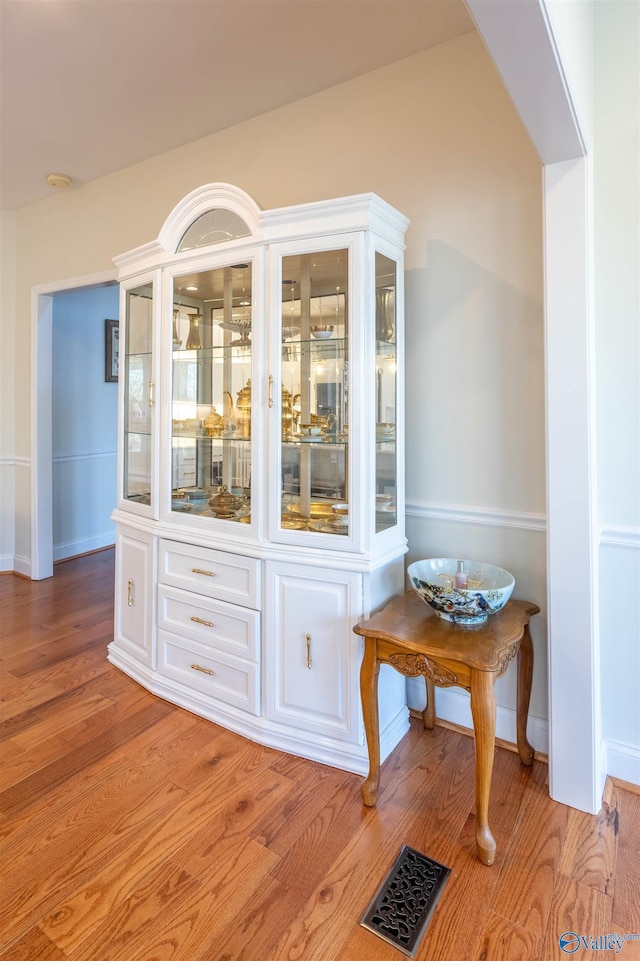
(312, 430)
(322, 331)
(224, 503)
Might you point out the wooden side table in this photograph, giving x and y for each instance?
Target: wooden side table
(409, 636)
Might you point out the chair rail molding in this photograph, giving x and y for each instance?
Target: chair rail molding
(486, 516)
(83, 455)
(627, 537)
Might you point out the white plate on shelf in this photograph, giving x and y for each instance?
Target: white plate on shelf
(195, 494)
(310, 438)
(328, 528)
(317, 509)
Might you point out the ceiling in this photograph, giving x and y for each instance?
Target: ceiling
(88, 87)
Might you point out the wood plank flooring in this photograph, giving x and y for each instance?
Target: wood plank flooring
(131, 830)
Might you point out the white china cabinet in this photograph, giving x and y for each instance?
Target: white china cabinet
(261, 504)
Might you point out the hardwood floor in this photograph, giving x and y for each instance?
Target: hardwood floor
(131, 830)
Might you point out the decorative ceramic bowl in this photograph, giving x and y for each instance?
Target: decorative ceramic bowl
(322, 331)
(312, 430)
(488, 588)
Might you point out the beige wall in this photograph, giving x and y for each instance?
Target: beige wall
(437, 136)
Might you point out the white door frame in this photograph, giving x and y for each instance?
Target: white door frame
(522, 45)
(41, 408)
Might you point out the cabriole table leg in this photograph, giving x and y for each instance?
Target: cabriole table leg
(525, 675)
(369, 694)
(483, 709)
(429, 713)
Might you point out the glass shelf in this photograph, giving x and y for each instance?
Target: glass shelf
(138, 393)
(222, 439)
(218, 352)
(314, 373)
(212, 393)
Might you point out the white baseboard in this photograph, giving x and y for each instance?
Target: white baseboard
(453, 705)
(623, 761)
(22, 565)
(83, 545)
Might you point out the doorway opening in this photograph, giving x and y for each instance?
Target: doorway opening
(73, 455)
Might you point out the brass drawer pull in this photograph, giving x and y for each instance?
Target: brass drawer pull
(197, 570)
(199, 620)
(203, 670)
(308, 637)
(129, 593)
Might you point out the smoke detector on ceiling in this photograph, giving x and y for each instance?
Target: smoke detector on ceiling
(59, 180)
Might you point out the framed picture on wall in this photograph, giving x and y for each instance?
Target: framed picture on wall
(112, 350)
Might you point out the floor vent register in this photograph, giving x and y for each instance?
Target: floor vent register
(403, 904)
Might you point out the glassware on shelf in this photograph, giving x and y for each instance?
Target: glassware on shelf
(211, 388)
(243, 411)
(137, 372)
(290, 413)
(194, 337)
(314, 372)
(385, 314)
(177, 340)
(386, 392)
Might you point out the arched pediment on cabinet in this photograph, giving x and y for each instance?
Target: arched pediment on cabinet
(211, 214)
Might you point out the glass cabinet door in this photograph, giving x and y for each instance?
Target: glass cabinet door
(315, 392)
(212, 394)
(386, 386)
(138, 394)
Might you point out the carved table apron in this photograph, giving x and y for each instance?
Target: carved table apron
(409, 636)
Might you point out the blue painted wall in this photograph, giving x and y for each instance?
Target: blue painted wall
(84, 422)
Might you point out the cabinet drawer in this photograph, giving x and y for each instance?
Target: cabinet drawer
(221, 676)
(220, 626)
(230, 577)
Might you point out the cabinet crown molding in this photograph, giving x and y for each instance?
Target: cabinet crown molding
(358, 212)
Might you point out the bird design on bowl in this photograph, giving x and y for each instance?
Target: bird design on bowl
(488, 588)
